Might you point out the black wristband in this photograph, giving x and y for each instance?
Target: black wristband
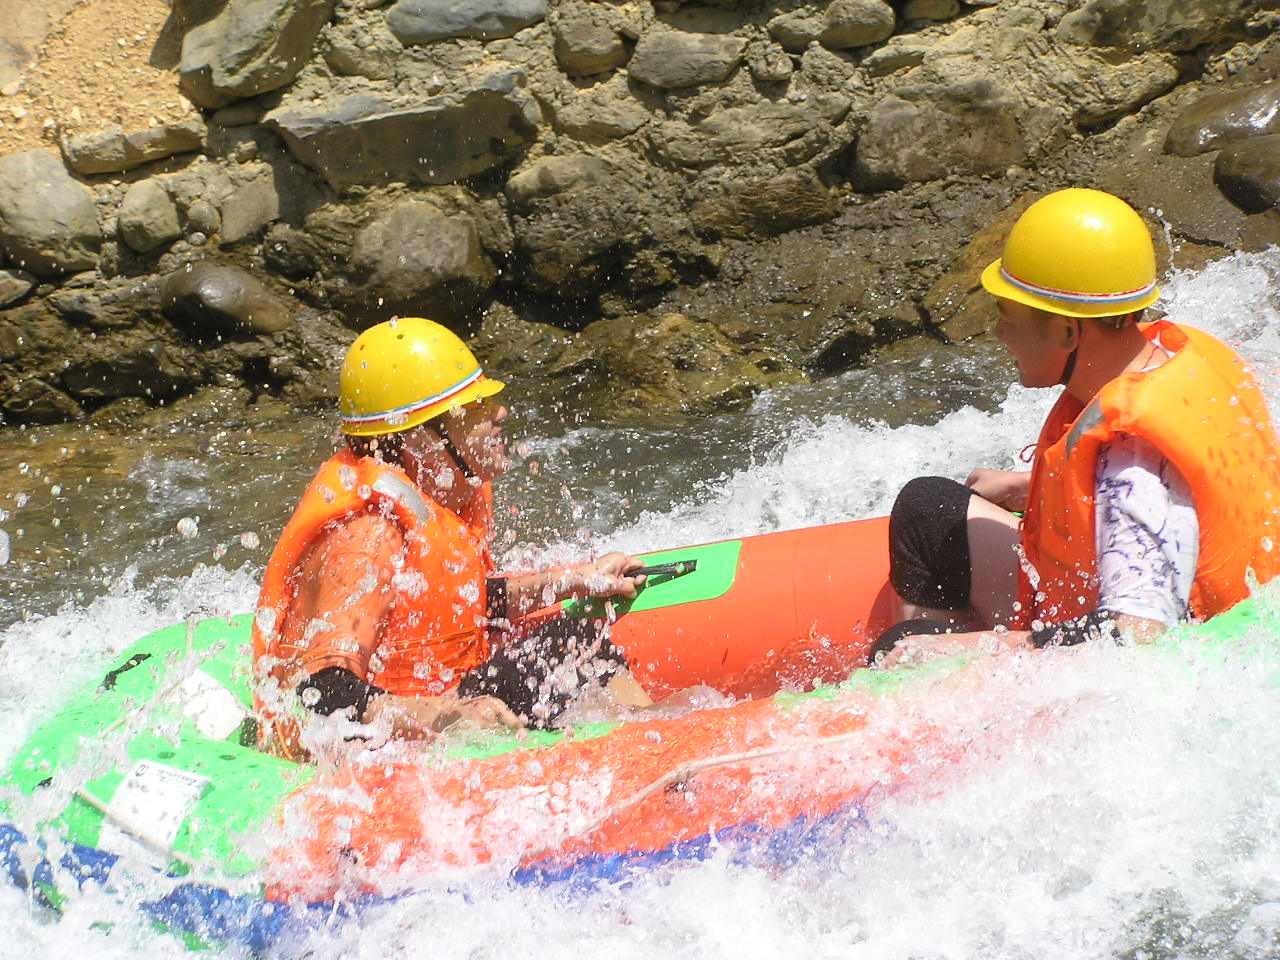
(496, 602)
(1097, 625)
(337, 688)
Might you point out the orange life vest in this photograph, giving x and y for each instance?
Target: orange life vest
(1203, 410)
(436, 629)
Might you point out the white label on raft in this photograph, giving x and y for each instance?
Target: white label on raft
(210, 706)
(143, 818)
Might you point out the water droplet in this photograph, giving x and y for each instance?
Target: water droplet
(4, 548)
(249, 541)
(188, 527)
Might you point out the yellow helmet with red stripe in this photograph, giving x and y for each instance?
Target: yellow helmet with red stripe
(404, 372)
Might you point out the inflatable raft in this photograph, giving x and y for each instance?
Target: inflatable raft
(155, 767)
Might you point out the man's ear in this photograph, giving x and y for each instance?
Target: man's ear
(1069, 333)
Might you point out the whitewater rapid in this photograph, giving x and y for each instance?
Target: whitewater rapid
(1144, 823)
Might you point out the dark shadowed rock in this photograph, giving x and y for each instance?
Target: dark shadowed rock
(417, 259)
(14, 285)
(33, 400)
(211, 300)
(930, 9)
(148, 217)
(363, 139)
(116, 304)
(672, 60)
(111, 150)
(1248, 172)
(249, 47)
(131, 366)
(856, 23)
(1225, 117)
(426, 21)
(48, 221)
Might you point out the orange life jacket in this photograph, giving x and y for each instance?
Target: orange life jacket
(1203, 410)
(436, 629)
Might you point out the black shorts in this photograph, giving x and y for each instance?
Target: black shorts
(538, 673)
(929, 544)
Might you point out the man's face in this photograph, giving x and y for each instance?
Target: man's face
(477, 430)
(1038, 342)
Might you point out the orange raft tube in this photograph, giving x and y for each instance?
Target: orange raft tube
(784, 611)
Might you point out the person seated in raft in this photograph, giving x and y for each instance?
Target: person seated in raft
(380, 598)
(1155, 482)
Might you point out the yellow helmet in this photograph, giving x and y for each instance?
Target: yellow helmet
(1077, 253)
(404, 372)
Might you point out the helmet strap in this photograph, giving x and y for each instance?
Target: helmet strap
(451, 449)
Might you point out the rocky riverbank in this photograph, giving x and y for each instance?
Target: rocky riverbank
(654, 209)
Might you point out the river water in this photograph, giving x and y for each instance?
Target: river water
(1147, 826)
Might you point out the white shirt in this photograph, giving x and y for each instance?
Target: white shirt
(1148, 535)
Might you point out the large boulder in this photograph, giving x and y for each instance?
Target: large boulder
(249, 47)
(363, 139)
(796, 29)
(212, 301)
(426, 21)
(148, 217)
(1154, 24)
(249, 207)
(1224, 118)
(1248, 172)
(673, 60)
(48, 221)
(111, 150)
(856, 23)
(418, 260)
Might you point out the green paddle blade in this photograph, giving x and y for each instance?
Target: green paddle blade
(715, 569)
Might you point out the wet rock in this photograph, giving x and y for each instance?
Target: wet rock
(210, 300)
(249, 208)
(552, 175)
(111, 150)
(587, 41)
(673, 60)
(956, 304)
(930, 9)
(511, 346)
(795, 198)
(1248, 173)
(107, 304)
(1154, 24)
(14, 285)
(795, 30)
(248, 48)
(48, 221)
(148, 218)
(1224, 118)
(203, 217)
(418, 259)
(35, 401)
(639, 369)
(134, 365)
(307, 357)
(606, 112)
(426, 21)
(906, 141)
(363, 139)
(856, 23)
